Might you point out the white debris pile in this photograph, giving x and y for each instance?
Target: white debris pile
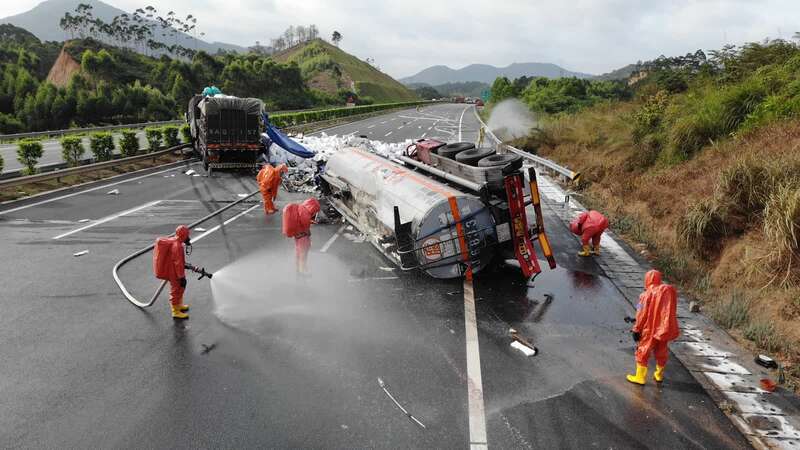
(325, 145)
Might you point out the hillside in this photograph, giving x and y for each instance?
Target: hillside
(43, 22)
(466, 88)
(700, 172)
(485, 73)
(329, 69)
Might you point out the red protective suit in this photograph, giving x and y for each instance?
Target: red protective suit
(269, 181)
(656, 319)
(590, 226)
(169, 262)
(297, 220)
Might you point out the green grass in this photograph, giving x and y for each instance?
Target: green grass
(733, 312)
(319, 57)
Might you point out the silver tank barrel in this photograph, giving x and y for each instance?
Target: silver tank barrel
(378, 185)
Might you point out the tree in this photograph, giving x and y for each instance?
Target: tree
(501, 90)
(72, 150)
(336, 37)
(181, 92)
(28, 155)
(102, 145)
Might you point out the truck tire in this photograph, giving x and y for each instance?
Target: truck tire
(499, 160)
(472, 156)
(205, 164)
(451, 150)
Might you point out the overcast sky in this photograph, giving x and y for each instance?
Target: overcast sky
(403, 37)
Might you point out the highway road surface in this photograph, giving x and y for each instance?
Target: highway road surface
(52, 152)
(270, 360)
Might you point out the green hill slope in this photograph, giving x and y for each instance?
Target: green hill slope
(330, 69)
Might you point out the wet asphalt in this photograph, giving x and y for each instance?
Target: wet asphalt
(279, 361)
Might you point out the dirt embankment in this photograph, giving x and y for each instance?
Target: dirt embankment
(63, 69)
(736, 277)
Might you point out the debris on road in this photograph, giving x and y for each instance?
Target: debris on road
(200, 229)
(527, 351)
(522, 344)
(408, 414)
(81, 253)
(629, 319)
(355, 238)
(766, 361)
(207, 348)
(694, 307)
(113, 192)
(83, 220)
(387, 269)
(189, 172)
(768, 385)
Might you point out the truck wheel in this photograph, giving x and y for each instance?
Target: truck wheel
(451, 150)
(205, 164)
(473, 155)
(499, 160)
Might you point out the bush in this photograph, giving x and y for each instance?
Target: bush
(732, 313)
(747, 185)
(10, 124)
(28, 155)
(170, 134)
(703, 227)
(782, 229)
(764, 335)
(72, 150)
(102, 145)
(186, 133)
(154, 137)
(648, 118)
(129, 143)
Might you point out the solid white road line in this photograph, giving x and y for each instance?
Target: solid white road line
(477, 413)
(108, 219)
(215, 228)
(460, 120)
(104, 186)
(332, 239)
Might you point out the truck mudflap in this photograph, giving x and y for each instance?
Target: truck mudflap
(523, 246)
(541, 236)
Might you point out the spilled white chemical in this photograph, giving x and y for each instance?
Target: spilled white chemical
(511, 119)
(325, 145)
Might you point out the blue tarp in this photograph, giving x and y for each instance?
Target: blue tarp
(284, 142)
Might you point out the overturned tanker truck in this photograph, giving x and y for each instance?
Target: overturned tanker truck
(447, 209)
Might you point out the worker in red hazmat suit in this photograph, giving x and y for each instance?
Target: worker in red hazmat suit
(656, 325)
(269, 181)
(589, 226)
(297, 220)
(169, 263)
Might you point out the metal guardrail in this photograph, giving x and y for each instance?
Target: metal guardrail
(4, 137)
(18, 181)
(538, 160)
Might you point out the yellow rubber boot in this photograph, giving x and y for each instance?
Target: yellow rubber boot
(641, 374)
(658, 375)
(585, 251)
(184, 307)
(596, 250)
(177, 313)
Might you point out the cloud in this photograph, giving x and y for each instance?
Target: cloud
(592, 36)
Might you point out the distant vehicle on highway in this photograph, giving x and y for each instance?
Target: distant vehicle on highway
(226, 130)
(478, 102)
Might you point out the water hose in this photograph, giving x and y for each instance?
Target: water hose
(141, 252)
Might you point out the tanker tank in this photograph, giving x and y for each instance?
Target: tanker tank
(447, 227)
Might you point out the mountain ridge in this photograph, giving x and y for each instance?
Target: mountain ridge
(487, 73)
(43, 22)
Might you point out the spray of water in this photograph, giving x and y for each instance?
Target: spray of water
(263, 288)
(511, 119)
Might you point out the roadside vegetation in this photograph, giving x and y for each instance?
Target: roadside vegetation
(696, 160)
